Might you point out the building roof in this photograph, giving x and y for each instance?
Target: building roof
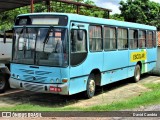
(12, 4)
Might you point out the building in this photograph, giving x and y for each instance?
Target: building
(158, 35)
(156, 70)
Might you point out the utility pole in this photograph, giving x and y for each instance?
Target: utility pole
(32, 6)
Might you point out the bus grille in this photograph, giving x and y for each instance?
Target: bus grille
(27, 71)
(33, 87)
(41, 72)
(36, 79)
(35, 72)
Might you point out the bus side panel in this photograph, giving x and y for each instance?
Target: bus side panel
(106, 78)
(116, 65)
(65, 73)
(147, 64)
(131, 64)
(79, 74)
(77, 85)
(131, 71)
(150, 66)
(151, 54)
(151, 59)
(93, 61)
(114, 75)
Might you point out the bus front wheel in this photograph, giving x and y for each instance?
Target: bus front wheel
(137, 73)
(91, 86)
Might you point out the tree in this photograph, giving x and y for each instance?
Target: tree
(65, 8)
(117, 17)
(7, 18)
(141, 11)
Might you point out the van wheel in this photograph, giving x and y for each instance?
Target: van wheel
(137, 73)
(91, 86)
(3, 84)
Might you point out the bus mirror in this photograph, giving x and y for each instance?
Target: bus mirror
(80, 35)
(4, 38)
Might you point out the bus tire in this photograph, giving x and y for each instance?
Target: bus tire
(91, 86)
(137, 73)
(4, 84)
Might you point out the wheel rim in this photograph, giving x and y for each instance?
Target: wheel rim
(2, 83)
(91, 86)
(137, 75)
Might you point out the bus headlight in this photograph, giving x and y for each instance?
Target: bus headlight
(13, 75)
(57, 80)
(18, 77)
(52, 81)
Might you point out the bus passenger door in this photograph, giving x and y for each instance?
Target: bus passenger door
(78, 54)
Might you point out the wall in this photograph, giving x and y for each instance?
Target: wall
(156, 70)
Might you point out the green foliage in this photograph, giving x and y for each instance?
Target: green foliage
(141, 11)
(7, 18)
(117, 17)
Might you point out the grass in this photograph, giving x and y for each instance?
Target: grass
(147, 98)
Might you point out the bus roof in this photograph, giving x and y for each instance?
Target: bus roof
(96, 20)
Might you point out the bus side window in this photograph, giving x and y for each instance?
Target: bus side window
(154, 39)
(133, 39)
(109, 38)
(149, 39)
(122, 38)
(142, 39)
(95, 38)
(78, 44)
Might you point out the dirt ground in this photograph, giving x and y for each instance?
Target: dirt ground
(104, 95)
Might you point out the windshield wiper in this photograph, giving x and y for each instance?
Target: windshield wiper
(24, 27)
(46, 38)
(25, 41)
(20, 35)
(47, 35)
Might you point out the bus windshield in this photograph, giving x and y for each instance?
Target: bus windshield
(40, 46)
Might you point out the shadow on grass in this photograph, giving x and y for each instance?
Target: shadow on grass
(55, 100)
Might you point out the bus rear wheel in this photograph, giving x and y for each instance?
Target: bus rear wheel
(137, 73)
(91, 86)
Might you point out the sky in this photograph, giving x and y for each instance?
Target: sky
(112, 4)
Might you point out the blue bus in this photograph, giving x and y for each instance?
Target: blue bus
(66, 54)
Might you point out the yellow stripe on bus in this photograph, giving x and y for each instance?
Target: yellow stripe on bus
(138, 56)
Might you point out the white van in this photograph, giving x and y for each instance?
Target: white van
(5, 56)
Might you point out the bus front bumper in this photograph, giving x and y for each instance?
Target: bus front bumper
(37, 87)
